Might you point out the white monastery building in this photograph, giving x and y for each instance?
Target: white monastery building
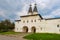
(35, 23)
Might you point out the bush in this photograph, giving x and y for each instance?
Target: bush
(6, 25)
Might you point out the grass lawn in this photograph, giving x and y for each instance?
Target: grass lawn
(10, 32)
(42, 36)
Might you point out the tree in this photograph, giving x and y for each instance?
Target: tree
(6, 25)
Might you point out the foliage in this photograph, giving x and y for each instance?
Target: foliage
(43, 36)
(6, 25)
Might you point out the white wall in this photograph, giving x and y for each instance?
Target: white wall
(48, 26)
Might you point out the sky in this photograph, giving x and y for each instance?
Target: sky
(13, 9)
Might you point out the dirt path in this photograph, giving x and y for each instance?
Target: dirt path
(13, 37)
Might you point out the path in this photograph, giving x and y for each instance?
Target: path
(13, 37)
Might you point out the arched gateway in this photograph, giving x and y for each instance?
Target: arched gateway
(33, 29)
(25, 29)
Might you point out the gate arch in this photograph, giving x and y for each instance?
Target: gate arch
(33, 29)
(25, 29)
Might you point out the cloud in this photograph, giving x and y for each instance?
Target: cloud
(2, 13)
(11, 5)
(55, 13)
(8, 8)
(13, 9)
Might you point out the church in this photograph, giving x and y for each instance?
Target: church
(33, 22)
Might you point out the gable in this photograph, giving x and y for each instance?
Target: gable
(32, 16)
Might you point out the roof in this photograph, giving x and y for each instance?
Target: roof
(17, 20)
(32, 15)
(30, 9)
(52, 18)
(35, 9)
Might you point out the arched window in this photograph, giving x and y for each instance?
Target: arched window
(35, 20)
(23, 21)
(31, 20)
(17, 28)
(41, 28)
(59, 30)
(18, 21)
(40, 20)
(27, 21)
(57, 25)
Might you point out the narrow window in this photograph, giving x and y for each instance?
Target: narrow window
(35, 20)
(57, 25)
(31, 20)
(41, 28)
(40, 20)
(27, 21)
(17, 28)
(18, 21)
(23, 21)
(59, 30)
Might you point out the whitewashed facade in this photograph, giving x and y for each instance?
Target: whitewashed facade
(33, 22)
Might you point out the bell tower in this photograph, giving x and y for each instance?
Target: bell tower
(35, 11)
(30, 10)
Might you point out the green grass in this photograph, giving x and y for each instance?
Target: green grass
(42, 36)
(8, 33)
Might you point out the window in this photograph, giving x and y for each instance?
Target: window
(41, 28)
(35, 20)
(57, 25)
(27, 21)
(59, 30)
(23, 21)
(17, 28)
(31, 20)
(18, 21)
(40, 20)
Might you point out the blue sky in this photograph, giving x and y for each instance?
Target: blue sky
(13, 9)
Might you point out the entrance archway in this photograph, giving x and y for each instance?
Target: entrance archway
(25, 29)
(33, 29)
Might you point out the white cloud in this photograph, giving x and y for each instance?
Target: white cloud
(53, 14)
(15, 5)
(56, 12)
(23, 11)
(43, 3)
(48, 16)
(49, 4)
(2, 13)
